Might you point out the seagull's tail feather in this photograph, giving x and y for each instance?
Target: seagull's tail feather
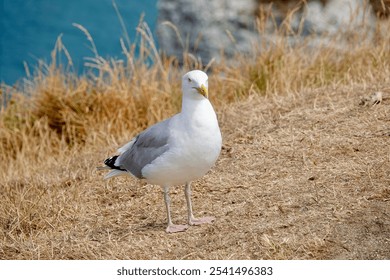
(103, 168)
(115, 173)
(115, 170)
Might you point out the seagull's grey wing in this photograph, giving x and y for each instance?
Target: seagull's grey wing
(147, 146)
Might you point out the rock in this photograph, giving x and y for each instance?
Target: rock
(205, 27)
(338, 16)
(210, 29)
(374, 99)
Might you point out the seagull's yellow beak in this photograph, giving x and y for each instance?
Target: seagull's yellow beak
(203, 91)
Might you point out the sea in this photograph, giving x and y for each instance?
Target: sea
(29, 30)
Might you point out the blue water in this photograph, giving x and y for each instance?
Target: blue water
(30, 28)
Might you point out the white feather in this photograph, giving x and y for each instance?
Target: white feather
(116, 173)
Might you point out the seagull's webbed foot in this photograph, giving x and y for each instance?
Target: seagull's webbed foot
(176, 228)
(199, 221)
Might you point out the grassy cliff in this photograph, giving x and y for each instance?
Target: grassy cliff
(279, 103)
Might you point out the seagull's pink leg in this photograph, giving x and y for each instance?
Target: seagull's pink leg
(191, 219)
(171, 228)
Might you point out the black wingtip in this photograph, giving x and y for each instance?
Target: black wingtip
(110, 162)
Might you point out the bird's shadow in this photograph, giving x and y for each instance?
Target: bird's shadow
(150, 227)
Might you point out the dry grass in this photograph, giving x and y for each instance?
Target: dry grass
(303, 174)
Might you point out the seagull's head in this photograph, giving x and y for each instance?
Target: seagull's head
(195, 83)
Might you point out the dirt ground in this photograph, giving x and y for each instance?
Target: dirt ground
(303, 176)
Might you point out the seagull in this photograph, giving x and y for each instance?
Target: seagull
(177, 150)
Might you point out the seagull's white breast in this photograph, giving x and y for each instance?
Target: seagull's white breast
(194, 146)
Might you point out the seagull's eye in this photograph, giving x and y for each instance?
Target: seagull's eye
(189, 80)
